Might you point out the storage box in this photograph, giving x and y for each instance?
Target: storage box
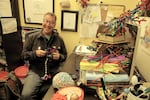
(111, 39)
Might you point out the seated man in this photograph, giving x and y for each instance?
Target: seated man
(44, 50)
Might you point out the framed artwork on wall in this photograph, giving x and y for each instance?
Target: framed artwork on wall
(5, 8)
(69, 20)
(35, 9)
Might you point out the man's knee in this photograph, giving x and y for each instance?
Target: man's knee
(25, 96)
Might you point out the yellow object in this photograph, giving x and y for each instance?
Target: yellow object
(98, 66)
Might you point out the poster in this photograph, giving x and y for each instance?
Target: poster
(5, 8)
(143, 49)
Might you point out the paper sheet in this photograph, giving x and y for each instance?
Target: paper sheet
(82, 50)
(9, 25)
(92, 14)
(90, 20)
(88, 30)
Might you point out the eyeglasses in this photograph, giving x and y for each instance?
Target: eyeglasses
(49, 22)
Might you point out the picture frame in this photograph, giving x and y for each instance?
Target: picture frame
(35, 9)
(69, 20)
(6, 8)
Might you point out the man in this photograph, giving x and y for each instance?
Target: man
(44, 50)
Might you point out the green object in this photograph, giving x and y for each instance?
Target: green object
(146, 91)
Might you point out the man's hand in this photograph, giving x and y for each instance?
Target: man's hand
(40, 53)
(56, 55)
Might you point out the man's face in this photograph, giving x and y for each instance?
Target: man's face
(48, 24)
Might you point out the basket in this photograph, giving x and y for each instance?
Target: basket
(111, 39)
(21, 71)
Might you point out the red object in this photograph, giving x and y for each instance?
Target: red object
(72, 90)
(3, 75)
(84, 3)
(145, 5)
(145, 1)
(58, 96)
(21, 72)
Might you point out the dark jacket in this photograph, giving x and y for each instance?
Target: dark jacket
(36, 40)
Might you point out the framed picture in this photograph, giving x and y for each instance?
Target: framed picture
(69, 20)
(35, 9)
(5, 8)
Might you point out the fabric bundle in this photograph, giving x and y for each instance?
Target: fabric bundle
(62, 79)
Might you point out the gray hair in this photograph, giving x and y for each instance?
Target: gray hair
(50, 14)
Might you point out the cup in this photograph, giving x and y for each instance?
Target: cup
(131, 96)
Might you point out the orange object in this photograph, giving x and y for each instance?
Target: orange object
(21, 71)
(69, 93)
(3, 75)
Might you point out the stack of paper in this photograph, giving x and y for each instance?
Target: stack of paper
(84, 50)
